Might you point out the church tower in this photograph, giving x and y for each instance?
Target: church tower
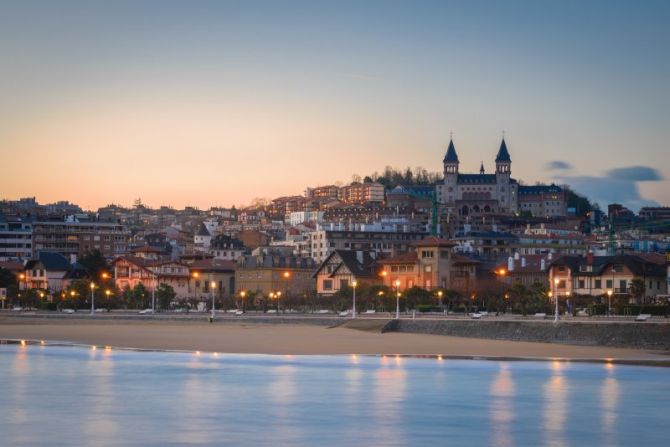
(448, 193)
(506, 195)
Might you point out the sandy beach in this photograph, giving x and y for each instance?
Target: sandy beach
(240, 337)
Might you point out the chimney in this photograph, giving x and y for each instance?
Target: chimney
(510, 264)
(543, 265)
(523, 262)
(73, 258)
(516, 256)
(589, 257)
(359, 256)
(550, 256)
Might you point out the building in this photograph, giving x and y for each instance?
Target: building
(360, 193)
(129, 271)
(50, 271)
(491, 245)
(212, 276)
(301, 217)
(202, 239)
(341, 268)
(543, 200)
(524, 269)
(600, 275)
(15, 239)
(320, 192)
(428, 266)
(264, 274)
(382, 243)
(226, 248)
(74, 237)
(467, 195)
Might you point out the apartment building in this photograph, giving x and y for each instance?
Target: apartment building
(427, 266)
(362, 193)
(15, 239)
(74, 237)
(543, 200)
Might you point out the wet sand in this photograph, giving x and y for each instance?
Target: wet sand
(240, 337)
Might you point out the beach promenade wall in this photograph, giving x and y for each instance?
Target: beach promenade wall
(630, 335)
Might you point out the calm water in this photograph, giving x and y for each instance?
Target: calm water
(77, 396)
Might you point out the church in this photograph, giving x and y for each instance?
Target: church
(472, 195)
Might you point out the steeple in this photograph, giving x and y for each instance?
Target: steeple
(451, 156)
(503, 154)
(503, 160)
(450, 160)
(481, 168)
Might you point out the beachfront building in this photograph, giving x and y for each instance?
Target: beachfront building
(344, 267)
(600, 276)
(269, 273)
(129, 271)
(524, 269)
(50, 271)
(211, 276)
(427, 266)
(15, 239)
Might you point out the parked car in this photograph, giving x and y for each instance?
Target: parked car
(68, 311)
(145, 311)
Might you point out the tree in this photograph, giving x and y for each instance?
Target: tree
(95, 263)
(165, 294)
(519, 297)
(637, 289)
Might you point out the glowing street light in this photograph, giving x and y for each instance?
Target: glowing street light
(212, 286)
(92, 298)
(353, 309)
(397, 299)
(556, 281)
(243, 294)
(609, 303)
(439, 297)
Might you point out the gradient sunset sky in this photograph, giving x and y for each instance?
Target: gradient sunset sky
(214, 103)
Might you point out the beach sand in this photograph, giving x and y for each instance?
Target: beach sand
(240, 337)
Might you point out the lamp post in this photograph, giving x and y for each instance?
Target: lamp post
(242, 295)
(439, 298)
(397, 299)
(278, 295)
(353, 309)
(212, 286)
(609, 303)
(287, 277)
(556, 280)
(107, 293)
(92, 298)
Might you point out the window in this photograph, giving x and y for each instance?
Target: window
(561, 284)
(394, 268)
(598, 283)
(427, 268)
(426, 254)
(327, 284)
(608, 284)
(618, 268)
(582, 284)
(344, 283)
(444, 254)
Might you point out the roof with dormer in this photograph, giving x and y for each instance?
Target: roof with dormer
(451, 155)
(503, 154)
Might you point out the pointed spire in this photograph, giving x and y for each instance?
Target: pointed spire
(481, 168)
(503, 154)
(451, 155)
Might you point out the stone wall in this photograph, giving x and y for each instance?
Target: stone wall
(630, 335)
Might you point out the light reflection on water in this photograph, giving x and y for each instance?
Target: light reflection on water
(77, 396)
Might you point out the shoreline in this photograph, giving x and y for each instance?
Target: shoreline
(238, 337)
(664, 363)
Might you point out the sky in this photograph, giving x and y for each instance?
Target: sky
(215, 103)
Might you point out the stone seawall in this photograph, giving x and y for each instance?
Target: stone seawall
(629, 335)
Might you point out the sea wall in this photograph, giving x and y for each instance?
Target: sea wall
(646, 335)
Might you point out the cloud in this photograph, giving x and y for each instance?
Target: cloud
(604, 190)
(635, 173)
(557, 165)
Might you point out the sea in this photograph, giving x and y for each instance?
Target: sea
(74, 395)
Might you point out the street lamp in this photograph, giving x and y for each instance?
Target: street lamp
(287, 277)
(353, 309)
(278, 295)
(439, 297)
(243, 294)
(212, 286)
(92, 298)
(397, 299)
(556, 281)
(609, 303)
